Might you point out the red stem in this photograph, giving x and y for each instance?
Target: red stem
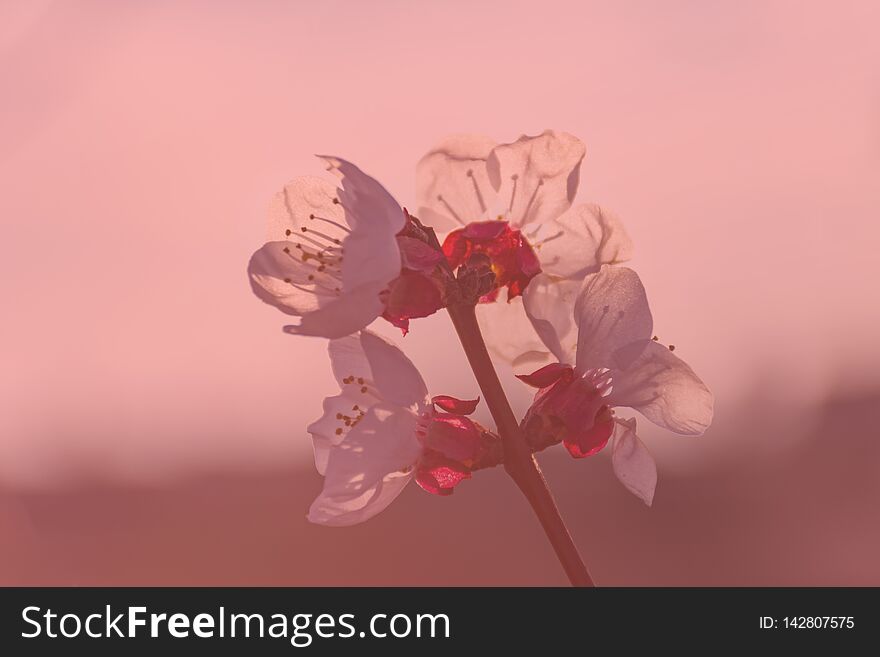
(518, 459)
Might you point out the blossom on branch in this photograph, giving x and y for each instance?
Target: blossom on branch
(338, 258)
(615, 363)
(382, 430)
(422, 287)
(513, 203)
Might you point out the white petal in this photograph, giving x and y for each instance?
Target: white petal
(369, 258)
(337, 253)
(452, 184)
(665, 390)
(350, 505)
(348, 360)
(370, 252)
(353, 374)
(321, 447)
(536, 177)
(613, 318)
(367, 204)
(367, 361)
(280, 279)
(632, 462)
(579, 241)
(396, 378)
(309, 230)
(307, 202)
(508, 332)
(369, 468)
(549, 305)
(343, 315)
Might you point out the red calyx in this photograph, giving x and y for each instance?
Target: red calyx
(410, 295)
(451, 446)
(512, 259)
(440, 476)
(567, 408)
(454, 405)
(547, 375)
(591, 441)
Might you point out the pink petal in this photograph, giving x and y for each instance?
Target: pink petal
(307, 202)
(580, 241)
(632, 462)
(369, 257)
(549, 305)
(454, 405)
(546, 376)
(370, 253)
(344, 315)
(536, 176)
(452, 183)
(397, 379)
(366, 202)
(348, 360)
(613, 319)
(280, 278)
(663, 388)
(338, 251)
(368, 469)
(508, 332)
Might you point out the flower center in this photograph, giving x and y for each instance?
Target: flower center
(572, 410)
(318, 244)
(358, 386)
(511, 257)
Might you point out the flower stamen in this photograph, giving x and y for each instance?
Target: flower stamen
(532, 199)
(449, 208)
(325, 236)
(470, 174)
(317, 287)
(340, 226)
(549, 238)
(316, 244)
(515, 179)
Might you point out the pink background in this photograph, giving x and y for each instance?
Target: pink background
(153, 414)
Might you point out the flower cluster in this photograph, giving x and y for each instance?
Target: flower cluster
(497, 228)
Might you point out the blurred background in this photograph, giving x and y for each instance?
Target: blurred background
(152, 414)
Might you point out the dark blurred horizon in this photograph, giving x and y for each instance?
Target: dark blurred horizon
(805, 514)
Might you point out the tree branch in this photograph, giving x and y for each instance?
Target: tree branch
(518, 459)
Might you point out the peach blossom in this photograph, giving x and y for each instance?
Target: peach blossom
(531, 184)
(614, 363)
